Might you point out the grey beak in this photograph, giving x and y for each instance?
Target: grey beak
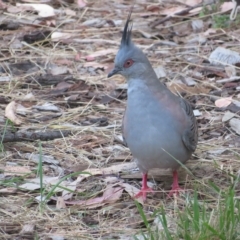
(113, 72)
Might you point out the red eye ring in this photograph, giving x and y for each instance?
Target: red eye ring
(128, 63)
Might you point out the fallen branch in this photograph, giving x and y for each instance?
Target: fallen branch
(33, 136)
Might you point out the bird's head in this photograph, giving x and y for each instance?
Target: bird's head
(130, 61)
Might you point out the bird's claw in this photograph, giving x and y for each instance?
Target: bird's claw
(143, 193)
(173, 191)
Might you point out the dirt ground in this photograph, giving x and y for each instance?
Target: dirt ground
(61, 116)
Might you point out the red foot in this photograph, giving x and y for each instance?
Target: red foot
(145, 189)
(175, 186)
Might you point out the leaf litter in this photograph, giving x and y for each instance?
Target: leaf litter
(54, 63)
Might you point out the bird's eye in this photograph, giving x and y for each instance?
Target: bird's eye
(128, 63)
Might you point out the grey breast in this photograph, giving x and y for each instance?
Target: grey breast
(152, 134)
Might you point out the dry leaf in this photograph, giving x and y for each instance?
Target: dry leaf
(189, 81)
(81, 3)
(16, 170)
(197, 113)
(89, 58)
(109, 170)
(235, 125)
(101, 53)
(226, 6)
(227, 116)
(41, 198)
(217, 151)
(10, 113)
(5, 78)
(171, 11)
(111, 180)
(223, 102)
(2, 5)
(8, 190)
(95, 22)
(196, 10)
(21, 110)
(190, 2)
(66, 194)
(56, 70)
(51, 23)
(30, 186)
(29, 97)
(132, 191)
(27, 228)
(47, 107)
(160, 72)
(209, 32)
(111, 195)
(224, 56)
(197, 25)
(43, 10)
(14, 9)
(70, 12)
(34, 184)
(63, 62)
(57, 36)
(230, 71)
(45, 158)
(56, 236)
(62, 86)
(73, 97)
(60, 204)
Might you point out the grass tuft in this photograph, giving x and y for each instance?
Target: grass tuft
(199, 219)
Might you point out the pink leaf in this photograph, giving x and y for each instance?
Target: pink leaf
(111, 195)
(10, 113)
(226, 6)
(223, 102)
(81, 3)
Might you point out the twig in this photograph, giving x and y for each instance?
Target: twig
(92, 40)
(231, 79)
(33, 136)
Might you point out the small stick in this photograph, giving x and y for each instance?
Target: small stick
(231, 79)
(33, 136)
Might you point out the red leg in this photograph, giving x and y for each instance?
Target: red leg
(175, 186)
(145, 189)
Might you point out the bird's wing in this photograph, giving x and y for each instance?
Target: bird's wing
(124, 132)
(190, 135)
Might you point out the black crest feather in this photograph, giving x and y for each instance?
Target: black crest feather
(127, 31)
